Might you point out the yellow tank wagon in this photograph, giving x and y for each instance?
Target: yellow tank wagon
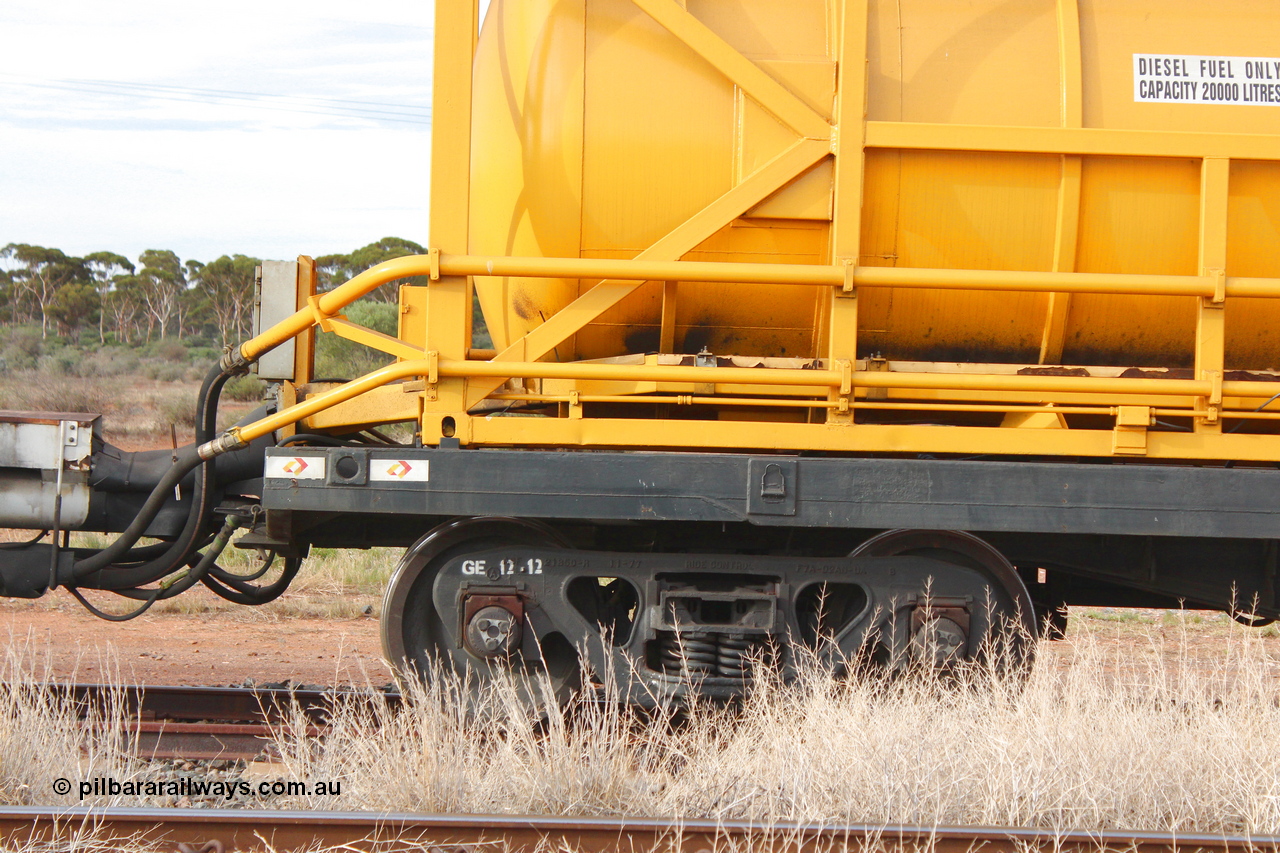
(930, 319)
(1050, 224)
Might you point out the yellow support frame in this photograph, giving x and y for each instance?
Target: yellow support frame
(448, 304)
(440, 382)
(1211, 318)
(1067, 227)
(846, 223)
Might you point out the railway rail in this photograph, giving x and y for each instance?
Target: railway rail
(235, 829)
(199, 723)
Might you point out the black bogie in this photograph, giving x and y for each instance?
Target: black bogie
(662, 624)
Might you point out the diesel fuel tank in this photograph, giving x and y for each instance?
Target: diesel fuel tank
(619, 128)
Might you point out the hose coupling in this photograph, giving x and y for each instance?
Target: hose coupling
(228, 441)
(233, 361)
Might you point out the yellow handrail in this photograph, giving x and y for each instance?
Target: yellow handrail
(329, 304)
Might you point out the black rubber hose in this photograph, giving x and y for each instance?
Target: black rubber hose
(117, 576)
(188, 458)
(140, 554)
(151, 596)
(224, 575)
(124, 471)
(243, 593)
(113, 617)
(114, 578)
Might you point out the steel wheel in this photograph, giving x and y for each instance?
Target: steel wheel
(1006, 629)
(415, 639)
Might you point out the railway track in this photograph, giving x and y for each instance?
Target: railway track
(203, 723)
(235, 829)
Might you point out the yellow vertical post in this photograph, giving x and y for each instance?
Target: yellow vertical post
(1210, 328)
(1067, 230)
(667, 331)
(846, 224)
(304, 350)
(448, 303)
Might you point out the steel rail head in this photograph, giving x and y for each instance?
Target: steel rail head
(239, 829)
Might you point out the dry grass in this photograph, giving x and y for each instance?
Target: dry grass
(332, 584)
(43, 738)
(1132, 735)
(137, 411)
(1105, 740)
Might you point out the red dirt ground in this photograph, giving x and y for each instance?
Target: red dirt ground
(57, 639)
(213, 649)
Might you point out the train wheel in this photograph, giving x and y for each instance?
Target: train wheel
(1003, 635)
(415, 638)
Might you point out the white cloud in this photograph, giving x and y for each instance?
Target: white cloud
(87, 166)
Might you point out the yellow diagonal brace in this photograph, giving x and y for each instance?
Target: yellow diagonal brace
(756, 187)
(373, 338)
(748, 76)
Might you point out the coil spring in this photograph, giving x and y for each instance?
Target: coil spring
(708, 654)
(695, 653)
(732, 656)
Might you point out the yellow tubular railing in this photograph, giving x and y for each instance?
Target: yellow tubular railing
(858, 378)
(834, 276)
(323, 308)
(731, 376)
(329, 304)
(320, 402)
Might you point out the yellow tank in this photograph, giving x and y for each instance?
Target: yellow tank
(598, 132)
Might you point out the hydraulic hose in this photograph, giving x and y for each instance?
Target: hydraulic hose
(138, 555)
(238, 592)
(188, 458)
(223, 575)
(150, 596)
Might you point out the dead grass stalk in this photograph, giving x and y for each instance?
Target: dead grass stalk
(1108, 741)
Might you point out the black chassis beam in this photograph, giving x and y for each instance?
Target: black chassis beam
(1133, 499)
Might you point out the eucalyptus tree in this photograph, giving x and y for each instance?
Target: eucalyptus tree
(73, 305)
(36, 274)
(123, 306)
(162, 281)
(106, 268)
(341, 268)
(227, 287)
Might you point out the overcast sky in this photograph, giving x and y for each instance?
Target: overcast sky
(271, 128)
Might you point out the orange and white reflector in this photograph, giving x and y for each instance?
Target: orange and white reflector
(398, 470)
(295, 467)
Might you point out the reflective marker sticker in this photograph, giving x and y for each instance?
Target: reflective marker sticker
(295, 467)
(398, 470)
(1185, 79)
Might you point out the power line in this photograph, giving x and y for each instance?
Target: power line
(324, 106)
(253, 95)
